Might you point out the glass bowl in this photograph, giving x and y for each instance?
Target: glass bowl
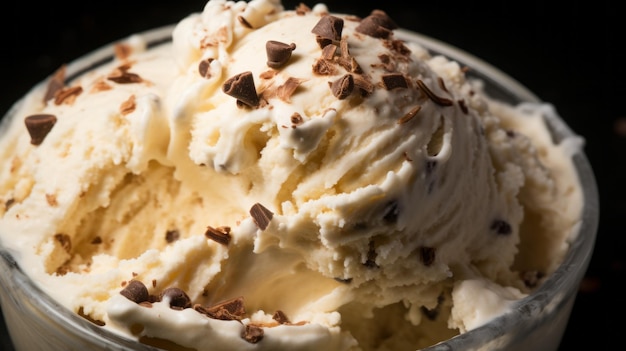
(36, 322)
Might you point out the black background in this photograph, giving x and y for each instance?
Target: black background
(572, 56)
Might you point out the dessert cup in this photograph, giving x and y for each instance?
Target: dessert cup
(36, 322)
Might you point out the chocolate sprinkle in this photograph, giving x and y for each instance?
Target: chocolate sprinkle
(501, 227)
(394, 81)
(39, 126)
(261, 215)
(328, 27)
(342, 87)
(441, 101)
(220, 235)
(178, 299)
(135, 291)
(278, 53)
(391, 212)
(427, 255)
(463, 106)
(370, 261)
(253, 334)
(241, 87)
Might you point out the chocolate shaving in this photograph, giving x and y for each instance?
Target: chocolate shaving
(81, 312)
(178, 299)
(343, 280)
(241, 87)
(51, 199)
(122, 51)
(365, 87)
(128, 106)
(67, 95)
(397, 46)
(302, 9)
(269, 74)
(228, 310)
(56, 83)
(349, 64)
(427, 255)
(121, 76)
(39, 126)
(370, 261)
(409, 116)
(172, 235)
(135, 291)
(501, 227)
(328, 30)
(329, 51)
(220, 235)
(286, 90)
(342, 87)
(323, 67)
(378, 25)
(244, 22)
(65, 241)
(391, 212)
(281, 317)
(261, 215)
(204, 67)
(442, 84)
(463, 106)
(441, 101)
(252, 334)
(278, 53)
(394, 81)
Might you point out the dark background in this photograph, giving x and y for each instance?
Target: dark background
(571, 55)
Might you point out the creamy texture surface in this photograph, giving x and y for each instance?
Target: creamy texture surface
(360, 195)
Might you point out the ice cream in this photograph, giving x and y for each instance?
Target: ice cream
(283, 179)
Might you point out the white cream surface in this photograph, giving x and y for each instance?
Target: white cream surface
(374, 220)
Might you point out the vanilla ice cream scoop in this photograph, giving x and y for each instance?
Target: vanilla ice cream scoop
(279, 178)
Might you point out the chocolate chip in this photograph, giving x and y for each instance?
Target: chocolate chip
(280, 317)
(278, 53)
(501, 227)
(382, 19)
(329, 28)
(172, 235)
(241, 87)
(342, 87)
(135, 291)
(252, 334)
(261, 215)
(220, 234)
(394, 81)
(204, 67)
(178, 299)
(39, 126)
(427, 255)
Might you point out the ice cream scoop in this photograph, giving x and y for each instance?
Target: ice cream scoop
(279, 178)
